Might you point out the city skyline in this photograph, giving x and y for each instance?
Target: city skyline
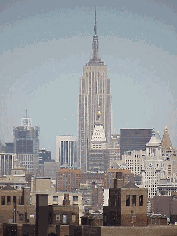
(43, 52)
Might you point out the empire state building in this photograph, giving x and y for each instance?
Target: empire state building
(94, 98)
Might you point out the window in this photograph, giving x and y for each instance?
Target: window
(55, 198)
(21, 216)
(127, 200)
(64, 219)
(73, 218)
(8, 200)
(2, 200)
(14, 200)
(58, 217)
(141, 200)
(134, 200)
(21, 200)
(75, 198)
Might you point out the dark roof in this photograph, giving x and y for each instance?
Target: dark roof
(130, 185)
(8, 187)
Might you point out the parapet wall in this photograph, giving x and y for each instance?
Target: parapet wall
(169, 230)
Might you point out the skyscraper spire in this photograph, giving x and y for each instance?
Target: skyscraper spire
(95, 59)
(95, 27)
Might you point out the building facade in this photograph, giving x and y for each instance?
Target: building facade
(134, 139)
(127, 205)
(6, 163)
(69, 180)
(66, 150)
(44, 156)
(26, 145)
(94, 95)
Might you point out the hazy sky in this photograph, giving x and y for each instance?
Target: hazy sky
(44, 45)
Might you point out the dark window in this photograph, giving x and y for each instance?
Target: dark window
(21, 202)
(2, 200)
(21, 216)
(134, 200)
(75, 198)
(8, 200)
(127, 200)
(14, 200)
(141, 200)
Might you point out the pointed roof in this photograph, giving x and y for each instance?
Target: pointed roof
(154, 141)
(166, 142)
(95, 59)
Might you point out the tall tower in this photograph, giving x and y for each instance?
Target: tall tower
(26, 144)
(94, 93)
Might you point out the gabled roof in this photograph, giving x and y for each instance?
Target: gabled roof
(130, 185)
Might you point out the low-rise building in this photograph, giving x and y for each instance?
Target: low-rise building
(15, 206)
(45, 186)
(127, 205)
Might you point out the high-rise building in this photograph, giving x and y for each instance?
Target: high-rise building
(66, 150)
(26, 145)
(134, 139)
(6, 163)
(94, 96)
(44, 156)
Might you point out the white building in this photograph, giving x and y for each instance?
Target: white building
(152, 166)
(66, 150)
(6, 163)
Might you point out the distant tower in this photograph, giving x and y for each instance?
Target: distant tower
(167, 148)
(94, 92)
(26, 144)
(166, 142)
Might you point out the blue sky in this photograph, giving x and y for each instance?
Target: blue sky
(45, 44)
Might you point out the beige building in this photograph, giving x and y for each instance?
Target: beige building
(16, 179)
(15, 206)
(45, 186)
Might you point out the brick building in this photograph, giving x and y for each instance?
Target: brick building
(127, 205)
(69, 179)
(15, 206)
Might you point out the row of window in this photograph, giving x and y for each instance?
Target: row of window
(133, 198)
(64, 218)
(11, 200)
(55, 198)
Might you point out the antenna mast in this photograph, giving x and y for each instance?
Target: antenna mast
(95, 27)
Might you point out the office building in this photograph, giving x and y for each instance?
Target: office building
(134, 139)
(6, 163)
(94, 97)
(44, 156)
(26, 145)
(66, 150)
